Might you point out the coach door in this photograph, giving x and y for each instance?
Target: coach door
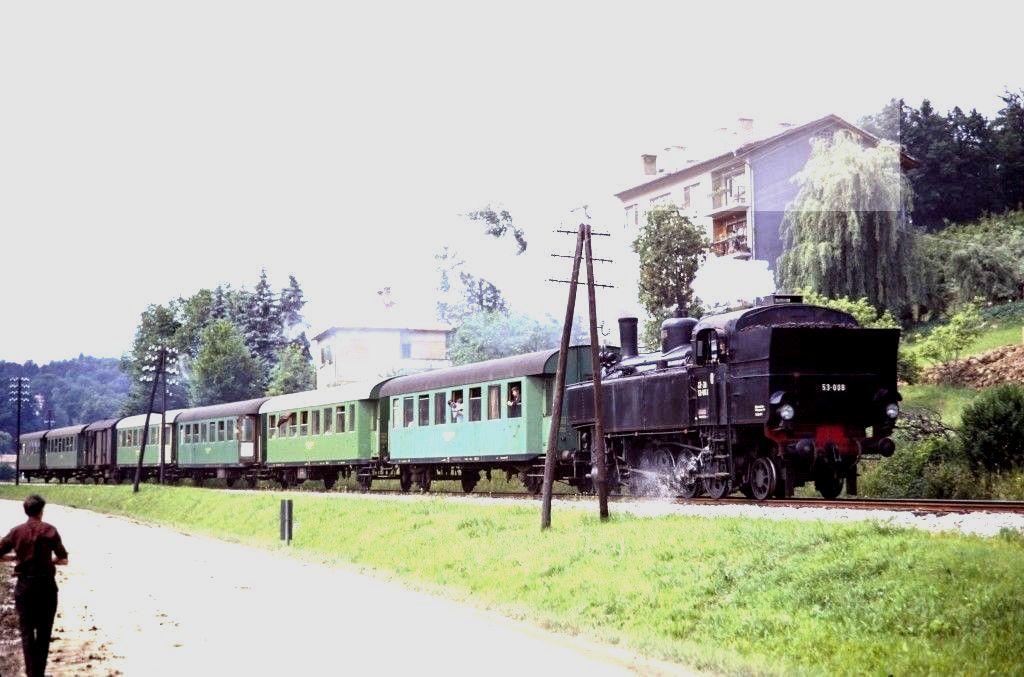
(246, 439)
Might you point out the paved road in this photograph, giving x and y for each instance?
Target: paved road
(164, 603)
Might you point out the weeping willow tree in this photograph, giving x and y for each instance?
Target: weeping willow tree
(846, 232)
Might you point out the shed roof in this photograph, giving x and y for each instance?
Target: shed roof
(529, 364)
(243, 408)
(312, 398)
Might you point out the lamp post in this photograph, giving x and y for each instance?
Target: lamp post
(157, 356)
(18, 396)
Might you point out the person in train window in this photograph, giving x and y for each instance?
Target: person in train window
(456, 406)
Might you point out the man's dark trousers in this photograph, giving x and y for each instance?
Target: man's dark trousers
(35, 599)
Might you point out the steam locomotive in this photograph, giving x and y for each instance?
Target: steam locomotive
(760, 400)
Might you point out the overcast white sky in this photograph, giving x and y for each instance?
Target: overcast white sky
(150, 149)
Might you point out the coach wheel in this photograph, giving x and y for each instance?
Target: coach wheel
(689, 486)
(404, 479)
(762, 479)
(330, 481)
(469, 480)
(424, 478)
(829, 486)
(365, 480)
(229, 482)
(197, 479)
(534, 483)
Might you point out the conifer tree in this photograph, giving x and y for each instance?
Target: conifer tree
(224, 370)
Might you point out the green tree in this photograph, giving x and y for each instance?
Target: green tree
(224, 370)
(490, 334)
(1008, 138)
(944, 344)
(671, 250)
(499, 224)
(845, 233)
(158, 326)
(293, 372)
(6, 442)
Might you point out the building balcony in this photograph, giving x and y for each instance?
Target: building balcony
(733, 199)
(733, 246)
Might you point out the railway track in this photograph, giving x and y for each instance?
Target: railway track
(918, 505)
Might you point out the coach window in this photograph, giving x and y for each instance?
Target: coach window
(396, 413)
(423, 410)
(515, 399)
(342, 424)
(316, 422)
(327, 420)
(272, 425)
(475, 395)
(407, 417)
(456, 404)
(493, 402)
(549, 396)
(440, 406)
(202, 433)
(303, 423)
(213, 431)
(352, 416)
(221, 433)
(248, 430)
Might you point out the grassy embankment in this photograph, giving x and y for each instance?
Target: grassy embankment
(751, 596)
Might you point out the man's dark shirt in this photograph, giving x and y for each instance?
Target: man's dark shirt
(35, 542)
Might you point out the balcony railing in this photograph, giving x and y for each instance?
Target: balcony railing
(733, 244)
(726, 197)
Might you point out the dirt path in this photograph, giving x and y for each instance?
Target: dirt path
(140, 600)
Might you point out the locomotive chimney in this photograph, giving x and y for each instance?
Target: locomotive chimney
(627, 337)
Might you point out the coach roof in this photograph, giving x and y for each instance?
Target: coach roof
(314, 398)
(530, 364)
(105, 424)
(66, 430)
(243, 408)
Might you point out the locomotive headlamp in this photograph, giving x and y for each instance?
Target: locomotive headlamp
(892, 410)
(787, 412)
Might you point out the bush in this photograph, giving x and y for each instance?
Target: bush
(1008, 486)
(992, 429)
(944, 344)
(931, 468)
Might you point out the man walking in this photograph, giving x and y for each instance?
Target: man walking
(35, 544)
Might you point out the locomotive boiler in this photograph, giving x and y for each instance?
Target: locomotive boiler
(760, 400)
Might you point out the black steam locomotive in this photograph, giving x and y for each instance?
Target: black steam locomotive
(761, 400)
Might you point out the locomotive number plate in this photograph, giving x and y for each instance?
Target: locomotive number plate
(833, 387)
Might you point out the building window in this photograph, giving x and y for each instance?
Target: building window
(632, 216)
(475, 395)
(423, 409)
(493, 402)
(326, 355)
(440, 406)
(515, 400)
(662, 199)
(689, 193)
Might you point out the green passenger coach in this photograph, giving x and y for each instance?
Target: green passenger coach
(321, 434)
(220, 440)
(64, 452)
(129, 439)
(492, 415)
(31, 459)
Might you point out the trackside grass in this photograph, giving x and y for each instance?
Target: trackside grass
(732, 595)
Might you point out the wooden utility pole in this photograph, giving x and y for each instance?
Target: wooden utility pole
(149, 411)
(556, 404)
(19, 384)
(597, 451)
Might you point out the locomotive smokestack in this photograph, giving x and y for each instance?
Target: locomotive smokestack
(627, 337)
